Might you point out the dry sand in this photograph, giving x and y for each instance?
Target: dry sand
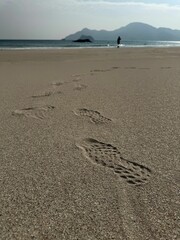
(90, 144)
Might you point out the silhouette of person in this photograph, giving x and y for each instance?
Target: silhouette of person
(118, 41)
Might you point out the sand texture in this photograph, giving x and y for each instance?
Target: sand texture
(90, 144)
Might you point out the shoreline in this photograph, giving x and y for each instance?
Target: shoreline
(86, 47)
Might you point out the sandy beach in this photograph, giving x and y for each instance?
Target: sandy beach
(90, 144)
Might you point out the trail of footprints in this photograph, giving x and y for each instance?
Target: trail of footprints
(109, 156)
(40, 113)
(45, 94)
(97, 152)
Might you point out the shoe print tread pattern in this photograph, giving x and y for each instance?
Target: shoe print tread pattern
(109, 156)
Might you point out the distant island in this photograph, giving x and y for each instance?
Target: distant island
(133, 31)
(84, 39)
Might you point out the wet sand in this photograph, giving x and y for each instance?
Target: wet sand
(89, 144)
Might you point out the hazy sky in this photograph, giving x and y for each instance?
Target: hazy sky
(55, 19)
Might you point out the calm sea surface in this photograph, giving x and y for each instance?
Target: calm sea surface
(61, 44)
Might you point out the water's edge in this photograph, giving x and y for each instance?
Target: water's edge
(61, 44)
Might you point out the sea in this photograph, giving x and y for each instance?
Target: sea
(66, 44)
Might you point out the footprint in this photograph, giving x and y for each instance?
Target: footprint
(41, 95)
(115, 67)
(77, 79)
(80, 87)
(94, 116)
(46, 94)
(109, 156)
(78, 75)
(33, 112)
(100, 70)
(96, 70)
(165, 67)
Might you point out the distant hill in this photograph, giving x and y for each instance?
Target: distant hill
(133, 31)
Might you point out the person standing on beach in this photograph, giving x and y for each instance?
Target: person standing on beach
(118, 41)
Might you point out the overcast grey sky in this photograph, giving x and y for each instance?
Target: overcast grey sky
(55, 19)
